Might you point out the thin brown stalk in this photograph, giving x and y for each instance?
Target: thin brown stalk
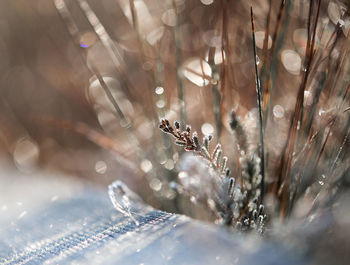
(109, 95)
(288, 150)
(224, 48)
(326, 189)
(266, 37)
(179, 79)
(332, 122)
(259, 101)
(312, 49)
(311, 39)
(217, 101)
(203, 75)
(267, 62)
(224, 45)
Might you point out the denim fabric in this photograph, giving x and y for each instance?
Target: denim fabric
(84, 228)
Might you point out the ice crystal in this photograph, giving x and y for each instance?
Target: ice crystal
(124, 199)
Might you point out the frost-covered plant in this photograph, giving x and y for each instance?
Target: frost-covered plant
(206, 179)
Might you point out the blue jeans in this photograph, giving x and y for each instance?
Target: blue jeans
(84, 228)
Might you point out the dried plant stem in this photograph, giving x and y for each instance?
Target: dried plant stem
(288, 151)
(202, 75)
(259, 102)
(323, 81)
(267, 32)
(216, 93)
(110, 96)
(224, 53)
(108, 43)
(326, 189)
(179, 78)
(123, 119)
(331, 124)
(310, 118)
(161, 111)
(311, 49)
(267, 63)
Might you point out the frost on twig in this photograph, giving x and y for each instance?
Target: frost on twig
(205, 178)
(190, 142)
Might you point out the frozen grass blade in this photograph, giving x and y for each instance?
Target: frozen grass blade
(259, 102)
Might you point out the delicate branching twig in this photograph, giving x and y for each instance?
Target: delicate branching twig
(190, 142)
(235, 205)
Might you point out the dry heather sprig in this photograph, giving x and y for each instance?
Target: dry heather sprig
(190, 142)
(233, 204)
